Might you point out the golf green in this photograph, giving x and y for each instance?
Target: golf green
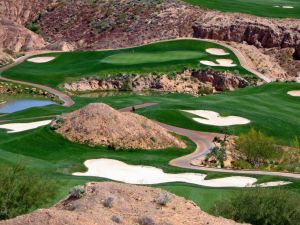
(266, 8)
(162, 57)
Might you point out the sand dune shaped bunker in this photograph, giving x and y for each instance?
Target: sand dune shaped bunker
(138, 174)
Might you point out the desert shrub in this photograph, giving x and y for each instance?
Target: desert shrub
(241, 164)
(108, 202)
(261, 206)
(34, 27)
(145, 220)
(22, 191)
(163, 199)
(296, 142)
(256, 147)
(116, 219)
(77, 192)
(205, 89)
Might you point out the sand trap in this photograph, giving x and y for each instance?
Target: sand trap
(294, 93)
(272, 184)
(41, 59)
(216, 51)
(19, 127)
(284, 7)
(214, 118)
(120, 171)
(220, 62)
(287, 7)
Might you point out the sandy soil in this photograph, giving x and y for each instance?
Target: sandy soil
(220, 62)
(129, 204)
(99, 124)
(294, 93)
(132, 174)
(41, 59)
(214, 118)
(19, 127)
(216, 51)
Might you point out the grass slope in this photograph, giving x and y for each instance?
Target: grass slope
(161, 57)
(268, 106)
(255, 7)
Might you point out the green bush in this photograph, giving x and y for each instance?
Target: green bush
(241, 164)
(261, 206)
(22, 191)
(257, 148)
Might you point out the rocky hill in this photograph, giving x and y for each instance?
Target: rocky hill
(99, 124)
(110, 203)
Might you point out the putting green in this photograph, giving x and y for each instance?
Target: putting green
(264, 8)
(162, 57)
(133, 58)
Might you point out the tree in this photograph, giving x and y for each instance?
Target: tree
(22, 191)
(261, 206)
(256, 147)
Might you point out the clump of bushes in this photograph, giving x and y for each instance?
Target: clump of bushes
(261, 206)
(145, 220)
(108, 202)
(77, 192)
(257, 148)
(57, 122)
(115, 219)
(22, 191)
(163, 199)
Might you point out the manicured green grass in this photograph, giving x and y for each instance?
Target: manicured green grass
(133, 58)
(255, 7)
(268, 107)
(162, 57)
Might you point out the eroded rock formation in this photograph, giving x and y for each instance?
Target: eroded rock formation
(98, 124)
(192, 82)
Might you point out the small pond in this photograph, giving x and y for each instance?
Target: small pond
(10, 104)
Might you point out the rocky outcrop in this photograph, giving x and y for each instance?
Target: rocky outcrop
(98, 124)
(130, 204)
(21, 11)
(17, 38)
(261, 32)
(192, 82)
(5, 58)
(260, 60)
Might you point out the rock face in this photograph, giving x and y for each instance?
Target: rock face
(99, 124)
(260, 60)
(16, 38)
(21, 11)
(196, 82)
(261, 32)
(5, 58)
(130, 205)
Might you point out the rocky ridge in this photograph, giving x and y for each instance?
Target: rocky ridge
(192, 82)
(129, 204)
(98, 124)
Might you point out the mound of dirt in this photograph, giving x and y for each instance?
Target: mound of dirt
(110, 203)
(99, 124)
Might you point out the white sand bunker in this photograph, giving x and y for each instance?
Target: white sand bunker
(19, 127)
(119, 171)
(284, 7)
(41, 59)
(216, 51)
(294, 93)
(214, 118)
(220, 62)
